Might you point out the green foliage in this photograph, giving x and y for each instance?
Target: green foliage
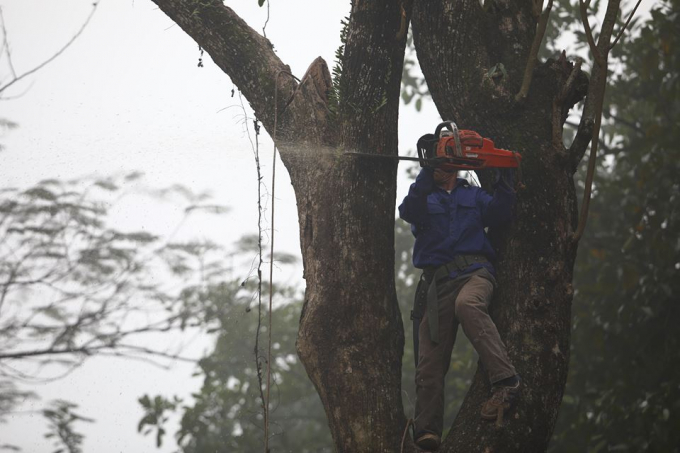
(68, 281)
(226, 414)
(71, 286)
(155, 417)
(622, 393)
(61, 420)
(10, 397)
(335, 94)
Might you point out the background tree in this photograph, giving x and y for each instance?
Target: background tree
(622, 393)
(226, 414)
(72, 286)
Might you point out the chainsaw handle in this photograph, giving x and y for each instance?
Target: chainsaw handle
(451, 126)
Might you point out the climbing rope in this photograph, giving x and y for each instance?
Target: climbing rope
(271, 262)
(403, 437)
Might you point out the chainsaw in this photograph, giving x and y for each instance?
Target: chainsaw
(452, 149)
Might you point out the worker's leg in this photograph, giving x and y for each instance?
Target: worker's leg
(472, 312)
(433, 362)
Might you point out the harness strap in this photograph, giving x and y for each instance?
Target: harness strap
(432, 274)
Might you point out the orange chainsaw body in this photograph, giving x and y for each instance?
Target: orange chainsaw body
(475, 153)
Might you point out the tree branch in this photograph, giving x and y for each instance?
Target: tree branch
(93, 349)
(558, 104)
(5, 45)
(598, 86)
(242, 53)
(533, 53)
(625, 25)
(583, 8)
(16, 78)
(629, 124)
(595, 92)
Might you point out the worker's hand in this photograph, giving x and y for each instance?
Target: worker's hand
(505, 176)
(425, 181)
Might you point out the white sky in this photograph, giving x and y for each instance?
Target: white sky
(128, 95)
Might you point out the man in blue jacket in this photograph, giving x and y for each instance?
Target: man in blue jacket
(447, 218)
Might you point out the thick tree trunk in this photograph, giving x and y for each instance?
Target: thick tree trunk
(458, 45)
(351, 336)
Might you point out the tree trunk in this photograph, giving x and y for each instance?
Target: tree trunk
(458, 45)
(351, 337)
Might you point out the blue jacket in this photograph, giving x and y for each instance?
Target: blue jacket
(446, 225)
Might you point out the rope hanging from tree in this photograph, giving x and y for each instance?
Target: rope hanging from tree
(271, 262)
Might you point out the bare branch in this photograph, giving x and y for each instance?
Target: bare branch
(123, 350)
(603, 145)
(5, 45)
(630, 124)
(625, 25)
(52, 58)
(590, 109)
(242, 53)
(533, 53)
(583, 6)
(596, 91)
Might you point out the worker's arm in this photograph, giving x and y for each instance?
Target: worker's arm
(497, 209)
(414, 207)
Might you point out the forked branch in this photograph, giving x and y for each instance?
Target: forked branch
(533, 53)
(592, 114)
(597, 56)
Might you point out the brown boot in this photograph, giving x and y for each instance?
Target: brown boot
(428, 442)
(501, 401)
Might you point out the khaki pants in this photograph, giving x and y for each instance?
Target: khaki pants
(463, 300)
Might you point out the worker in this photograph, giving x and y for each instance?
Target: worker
(448, 217)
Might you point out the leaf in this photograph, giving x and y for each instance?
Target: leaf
(148, 419)
(53, 312)
(260, 2)
(285, 258)
(39, 192)
(106, 185)
(135, 175)
(213, 209)
(159, 437)
(145, 401)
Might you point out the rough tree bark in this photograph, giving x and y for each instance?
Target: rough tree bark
(351, 336)
(459, 43)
